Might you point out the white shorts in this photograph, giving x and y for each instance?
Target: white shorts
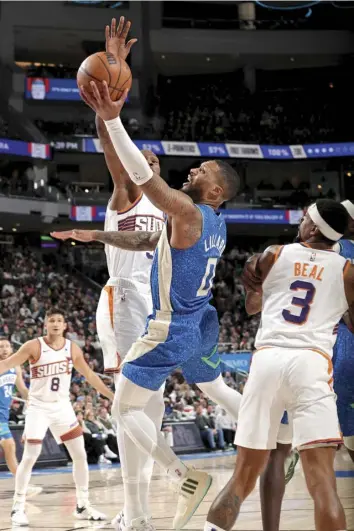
(295, 380)
(121, 318)
(59, 417)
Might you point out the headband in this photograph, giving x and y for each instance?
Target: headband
(349, 207)
(322, 225)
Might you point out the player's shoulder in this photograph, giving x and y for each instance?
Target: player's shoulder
(33, 343)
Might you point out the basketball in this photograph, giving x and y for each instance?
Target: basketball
(104, 66)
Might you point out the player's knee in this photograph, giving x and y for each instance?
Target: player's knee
(31, 452)
(76, 449)
(349, 442)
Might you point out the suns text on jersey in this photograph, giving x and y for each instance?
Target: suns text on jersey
(141, 222)
(214, 241)
(52, 369)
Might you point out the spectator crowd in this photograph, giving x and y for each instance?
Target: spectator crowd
(32, 282)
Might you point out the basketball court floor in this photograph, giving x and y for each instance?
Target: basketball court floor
(53, 508)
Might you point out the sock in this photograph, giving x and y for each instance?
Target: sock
(76, 449)
(223, 395)
(23, 474)
(212, 527)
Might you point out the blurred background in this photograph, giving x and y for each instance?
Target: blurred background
(266, 85)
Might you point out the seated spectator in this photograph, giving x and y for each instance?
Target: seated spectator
(98, 431)
(211, 437)
(224, 422)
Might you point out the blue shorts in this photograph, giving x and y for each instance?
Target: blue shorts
(343, 375)
(174, 341)
(5, 432)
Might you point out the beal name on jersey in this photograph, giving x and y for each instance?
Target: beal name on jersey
(146, 223)
(52, 369)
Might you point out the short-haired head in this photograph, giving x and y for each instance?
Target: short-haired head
(334, 216)
(152, 160)
(213, 183)
(55, 321)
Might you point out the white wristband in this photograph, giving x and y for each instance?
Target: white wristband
(132, 159)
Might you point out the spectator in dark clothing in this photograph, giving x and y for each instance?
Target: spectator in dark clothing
(210, 435)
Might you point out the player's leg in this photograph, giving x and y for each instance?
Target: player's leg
(66, 430)
(137, 467)
(278, 472)
(262, 398)
(32, 451)
(8, 445)
(318, 467)
(36, 426)
(316, 434)
(272, 487)
(130, 310)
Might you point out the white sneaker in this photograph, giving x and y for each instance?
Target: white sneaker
(109, 454)
(102, 460)
(193, 489)
(138, 524)
(33, 490)
(19, 518)
(89, 513)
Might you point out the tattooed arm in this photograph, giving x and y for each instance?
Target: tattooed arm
(128, 240)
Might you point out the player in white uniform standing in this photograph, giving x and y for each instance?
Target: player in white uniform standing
(52, 359)
(303, 290)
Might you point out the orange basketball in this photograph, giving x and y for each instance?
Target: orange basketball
(104, 66)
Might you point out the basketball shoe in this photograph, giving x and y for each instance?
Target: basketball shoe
(138, 524)
(290, 465)
(19, 518)
(89, 513)
(193, 488)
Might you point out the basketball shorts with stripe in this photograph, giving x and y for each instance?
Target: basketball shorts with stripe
(121, 318)
(294, 380)
(58, 417)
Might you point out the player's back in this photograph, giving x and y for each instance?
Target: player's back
(7, 382)
(132, 265)
(303, 299)
(51, 373)
(181, 280)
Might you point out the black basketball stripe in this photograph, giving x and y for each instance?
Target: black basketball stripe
(192, 482)
(107, 69)
(120, 71)
(93, 77)
(187, 490)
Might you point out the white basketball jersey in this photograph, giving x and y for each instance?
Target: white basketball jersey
(132, 265)
(303, 299)
(51, 374)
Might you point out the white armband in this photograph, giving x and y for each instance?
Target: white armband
(132, 159)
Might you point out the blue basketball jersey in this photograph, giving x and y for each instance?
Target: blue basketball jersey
(343, 359)
(7, 383)
(181, 280)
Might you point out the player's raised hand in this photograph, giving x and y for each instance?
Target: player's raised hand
(100, 101)
(250, 276)
(116, 38)
(75, 234)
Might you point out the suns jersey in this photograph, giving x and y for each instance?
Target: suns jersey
(181, 280)
(7, 383)
(132, 265)
(51, 373)
(303, 299)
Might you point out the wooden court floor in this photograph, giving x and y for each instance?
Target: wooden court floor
(53, 508)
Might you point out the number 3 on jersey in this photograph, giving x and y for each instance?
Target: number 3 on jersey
(208, 278)
(303, 302)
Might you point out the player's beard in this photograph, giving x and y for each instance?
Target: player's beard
(297, 238)
(194, 193)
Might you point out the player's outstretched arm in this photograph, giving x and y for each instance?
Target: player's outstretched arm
(20, 384)
(128, 240)
(29, 350)
(92, 378)
(172, 202)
